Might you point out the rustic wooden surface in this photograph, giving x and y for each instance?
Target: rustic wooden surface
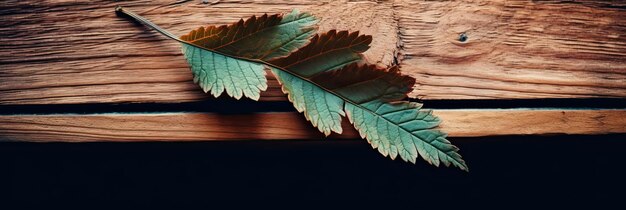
(80, 52)
(270, 126)
(515, 49)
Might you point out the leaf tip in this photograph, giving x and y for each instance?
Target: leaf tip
(327, 133)
(255, 97)
(464, 167)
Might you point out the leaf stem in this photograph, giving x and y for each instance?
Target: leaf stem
(129, 14)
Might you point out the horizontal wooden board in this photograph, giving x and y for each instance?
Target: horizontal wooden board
(81, 52)
(289, 125)
(514, 48)
(57, 52)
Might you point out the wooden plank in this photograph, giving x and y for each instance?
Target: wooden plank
(81, 52)
(289, 125)
(514, 48)
(57, 52)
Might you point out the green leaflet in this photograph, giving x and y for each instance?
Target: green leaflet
(266, 37)
(295, 31)
(321, 78)
(403, 129)
(325, 52)
(215, 72)
(322, 108)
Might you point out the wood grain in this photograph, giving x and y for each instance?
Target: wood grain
(514, 48)
(81, 52)
(59, 52)
(289, 125)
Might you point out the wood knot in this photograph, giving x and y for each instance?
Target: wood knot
(463, 37)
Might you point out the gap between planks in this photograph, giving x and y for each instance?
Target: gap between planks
(291, 125)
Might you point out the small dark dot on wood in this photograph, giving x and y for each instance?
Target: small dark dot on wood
(462, 37)
(210, 3)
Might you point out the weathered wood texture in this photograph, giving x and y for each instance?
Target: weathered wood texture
(80, 52)
(515, 49)
(201, 126)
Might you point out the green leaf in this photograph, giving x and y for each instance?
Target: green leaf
(321, 78)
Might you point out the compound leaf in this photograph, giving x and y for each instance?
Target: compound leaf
(322, 78)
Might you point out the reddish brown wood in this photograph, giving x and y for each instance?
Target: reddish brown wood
(80, 52)
(199, 126)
